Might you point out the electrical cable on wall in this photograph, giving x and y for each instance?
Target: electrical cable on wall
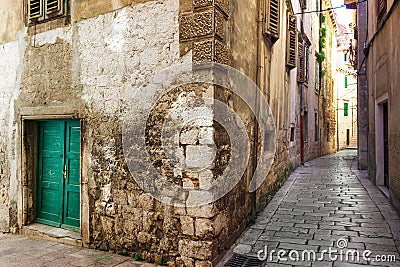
(323, 10)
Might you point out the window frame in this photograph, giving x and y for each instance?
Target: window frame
(324, 83)
(345, 109)
(60, 12)
(270, 30)
(291, 42)
(316, 126)
(317, 82)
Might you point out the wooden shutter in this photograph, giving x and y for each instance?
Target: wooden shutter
(381, 10)
(271, 19)
(291, 42)
(300, 62)
(54, 7)
(35, 9)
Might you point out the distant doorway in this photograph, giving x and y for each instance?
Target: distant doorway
(385, 144)
(347, 137)
(382, 143)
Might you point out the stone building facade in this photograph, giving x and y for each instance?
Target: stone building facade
(382, 58)
(361, 29)
(316, 82)
(69, 70)
(346, 77)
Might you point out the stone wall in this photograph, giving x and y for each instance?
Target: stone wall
(11, 66)
(362, 88)
(89, 67)
(383, 83)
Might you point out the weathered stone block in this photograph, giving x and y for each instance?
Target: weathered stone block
(187, 225)
(131, 213)
(178, 210)
(205, 179)
(202, 3)
(111, 209)
(203, 51)
(195, 25)
(222, 54)
(223, 5)
(201, 156)
(220, 223)
(220, 24)
(189, 136)
(206, 211)
(202, 250)
(146, 201)
(120, 197)
(185, 262)
(187, 184)
(206, 136)
(204, 227)
(203, 264)
(143, 237)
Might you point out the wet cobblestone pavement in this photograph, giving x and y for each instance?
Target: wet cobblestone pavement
(32, 252)
(329, 208)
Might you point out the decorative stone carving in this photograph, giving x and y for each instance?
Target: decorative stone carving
(202, 3)
(204, 31)
(203, 51)
(195, 25)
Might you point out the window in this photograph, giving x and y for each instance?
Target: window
(346, 109)
(303, 55)
(317, 77)
(300, 63)
(345, 57)
(292, 134)
(291, 41)
(345, 82)
(324, 84)
(327, 132)
(303, 4)
(316, 127)
(271, 19)
(306, 55)
(42, 10)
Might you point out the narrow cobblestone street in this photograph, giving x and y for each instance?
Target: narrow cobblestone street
(26, 251)
(326, 204)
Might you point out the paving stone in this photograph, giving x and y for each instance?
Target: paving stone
(24, 251)
(326, 201)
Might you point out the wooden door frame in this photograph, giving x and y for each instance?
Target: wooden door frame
(27, 164)
(379, 142)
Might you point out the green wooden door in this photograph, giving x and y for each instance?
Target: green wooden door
(58, 187)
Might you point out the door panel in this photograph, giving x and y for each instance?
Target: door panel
(49, 186)
(58, 184)
(72, 182)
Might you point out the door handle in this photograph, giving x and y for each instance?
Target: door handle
(64, 174)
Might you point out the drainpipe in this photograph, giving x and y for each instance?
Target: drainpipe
(302, 124)
(319, 83)
(302, 100)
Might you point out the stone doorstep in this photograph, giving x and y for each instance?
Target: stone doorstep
(54, 234)
(385, 191)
